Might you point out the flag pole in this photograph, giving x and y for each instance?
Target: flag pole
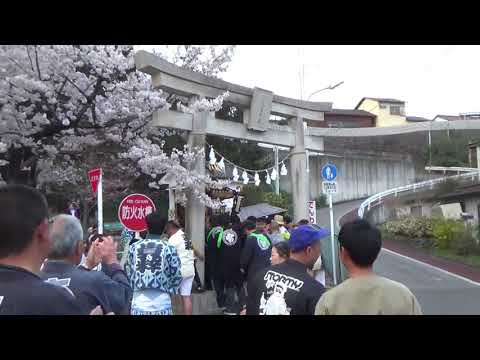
(100, 203)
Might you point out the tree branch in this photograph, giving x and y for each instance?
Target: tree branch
(61, 87)
(38, 65)
(16, 63)
(30, 58)
(11, 133)
(75, 85)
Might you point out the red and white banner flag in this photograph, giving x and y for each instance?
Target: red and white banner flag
(94, 177)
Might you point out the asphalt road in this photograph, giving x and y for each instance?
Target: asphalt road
(438, 293)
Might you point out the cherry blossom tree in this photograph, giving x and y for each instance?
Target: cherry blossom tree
(60, 104)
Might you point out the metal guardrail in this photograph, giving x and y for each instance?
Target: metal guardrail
(412, 187)
(449, 169)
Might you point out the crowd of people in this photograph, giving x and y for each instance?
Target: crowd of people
(261, 266)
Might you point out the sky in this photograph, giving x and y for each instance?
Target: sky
(431, 79)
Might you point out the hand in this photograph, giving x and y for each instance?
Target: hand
(98, 311)
(94, 255)
(109, 250)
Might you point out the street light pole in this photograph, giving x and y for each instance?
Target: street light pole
(331, 87)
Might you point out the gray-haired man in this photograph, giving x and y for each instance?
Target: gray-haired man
(108, 288)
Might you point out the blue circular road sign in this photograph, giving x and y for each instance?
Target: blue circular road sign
(329, 172)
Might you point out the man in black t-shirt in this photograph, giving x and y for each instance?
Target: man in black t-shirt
(24, 246)
(287, 288)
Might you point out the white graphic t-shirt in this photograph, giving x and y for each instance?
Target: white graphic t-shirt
(283, 289)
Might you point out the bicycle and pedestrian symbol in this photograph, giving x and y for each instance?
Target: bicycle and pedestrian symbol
(329, 174)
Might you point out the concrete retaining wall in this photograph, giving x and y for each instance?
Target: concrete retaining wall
(359, 176)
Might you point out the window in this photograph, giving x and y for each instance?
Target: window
(396, 110)
(383, 106)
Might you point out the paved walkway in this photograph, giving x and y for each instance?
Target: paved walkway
(438, 291)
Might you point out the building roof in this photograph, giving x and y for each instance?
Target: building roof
(470, 116)
(382, 100)
(448, 117)
(348, 112)
(417, 119)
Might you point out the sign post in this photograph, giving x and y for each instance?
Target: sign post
(96, 180)
(329, 174)
(133, 211)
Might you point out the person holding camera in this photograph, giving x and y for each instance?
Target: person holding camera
(109, 288)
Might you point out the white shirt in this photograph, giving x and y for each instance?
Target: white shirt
(185, 253)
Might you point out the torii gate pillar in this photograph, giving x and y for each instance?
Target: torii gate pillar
(195, 209)
(298, 172)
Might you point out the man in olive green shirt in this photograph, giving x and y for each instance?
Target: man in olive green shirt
(365, 293)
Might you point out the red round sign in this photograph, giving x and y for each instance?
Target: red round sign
(133, 210)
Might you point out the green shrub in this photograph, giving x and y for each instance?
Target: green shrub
(255, 195)
(321, 201)
(412, 227)
(281, 200)
(445, 231)
(428, 233)
(252, 195)
(464, 244)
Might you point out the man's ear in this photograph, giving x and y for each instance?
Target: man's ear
(79, 248)
(344, 255)
(42, 232)
(42, 236)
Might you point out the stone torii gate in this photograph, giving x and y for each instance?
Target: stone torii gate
(257, 105)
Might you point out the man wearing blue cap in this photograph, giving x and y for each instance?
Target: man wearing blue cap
(287, 288)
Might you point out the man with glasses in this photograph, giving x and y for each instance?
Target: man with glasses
(108, 288)
(24, 245)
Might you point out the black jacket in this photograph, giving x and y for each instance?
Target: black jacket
(228, 257)
(108, 288)
(24, 293)
(255, 255)
(283, 289)
(211, 250)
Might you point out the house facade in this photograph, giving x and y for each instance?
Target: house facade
(388, 112)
